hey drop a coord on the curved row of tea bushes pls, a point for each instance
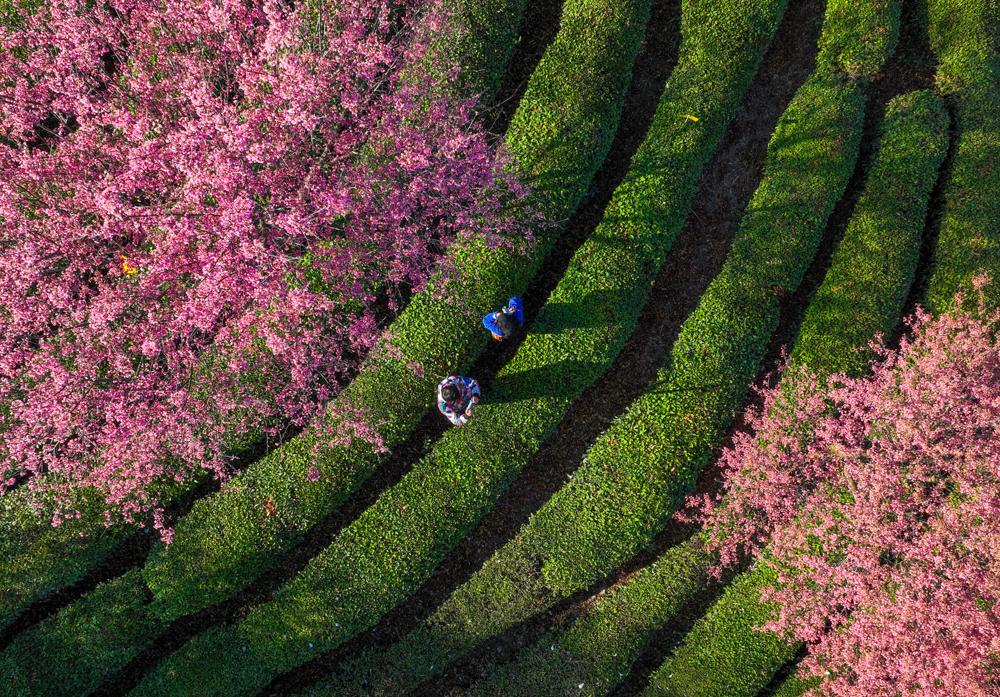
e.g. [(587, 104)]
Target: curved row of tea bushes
[(724, 654), (735, 659), (638, 471), (965, 35), (481, 43), (558, 138), (68, 654), (37, 559), (595, 653), (862, 296), (560, 133), (873, 267)]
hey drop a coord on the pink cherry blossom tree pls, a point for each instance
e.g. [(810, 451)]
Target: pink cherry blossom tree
[(877, 500), (208, 210)]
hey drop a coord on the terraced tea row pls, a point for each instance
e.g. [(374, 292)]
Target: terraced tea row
[(222, 545), (965, 35)]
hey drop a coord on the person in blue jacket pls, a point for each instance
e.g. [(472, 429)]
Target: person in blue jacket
[(506, 320), (457, 395)]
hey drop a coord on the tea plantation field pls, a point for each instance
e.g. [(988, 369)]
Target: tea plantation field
[(724, 180)]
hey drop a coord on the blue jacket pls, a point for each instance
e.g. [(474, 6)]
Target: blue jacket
[(514, 307), (455, 411)]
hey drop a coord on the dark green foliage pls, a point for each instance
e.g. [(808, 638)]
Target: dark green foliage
[(796, 685), (50, 660), (863, 293), (480, 41), (858, 36), (964, 34), (231, 667), (597, 651), (37, 559), (725, 654)]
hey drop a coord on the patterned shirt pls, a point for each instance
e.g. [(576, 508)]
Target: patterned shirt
[(455, 410)]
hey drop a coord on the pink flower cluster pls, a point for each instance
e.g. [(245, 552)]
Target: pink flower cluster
[(877, 500), (208, 209)]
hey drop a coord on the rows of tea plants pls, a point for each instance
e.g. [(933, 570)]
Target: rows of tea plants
[(598, 649), (741, 658), (636, 473), (222, 545), (861, 297), (381, 557), (965, 37)]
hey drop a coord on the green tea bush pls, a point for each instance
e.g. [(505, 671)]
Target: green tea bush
[(795, 686), (964, 35), (37, 559), (50, 660), (863, 293), (594, 654)]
